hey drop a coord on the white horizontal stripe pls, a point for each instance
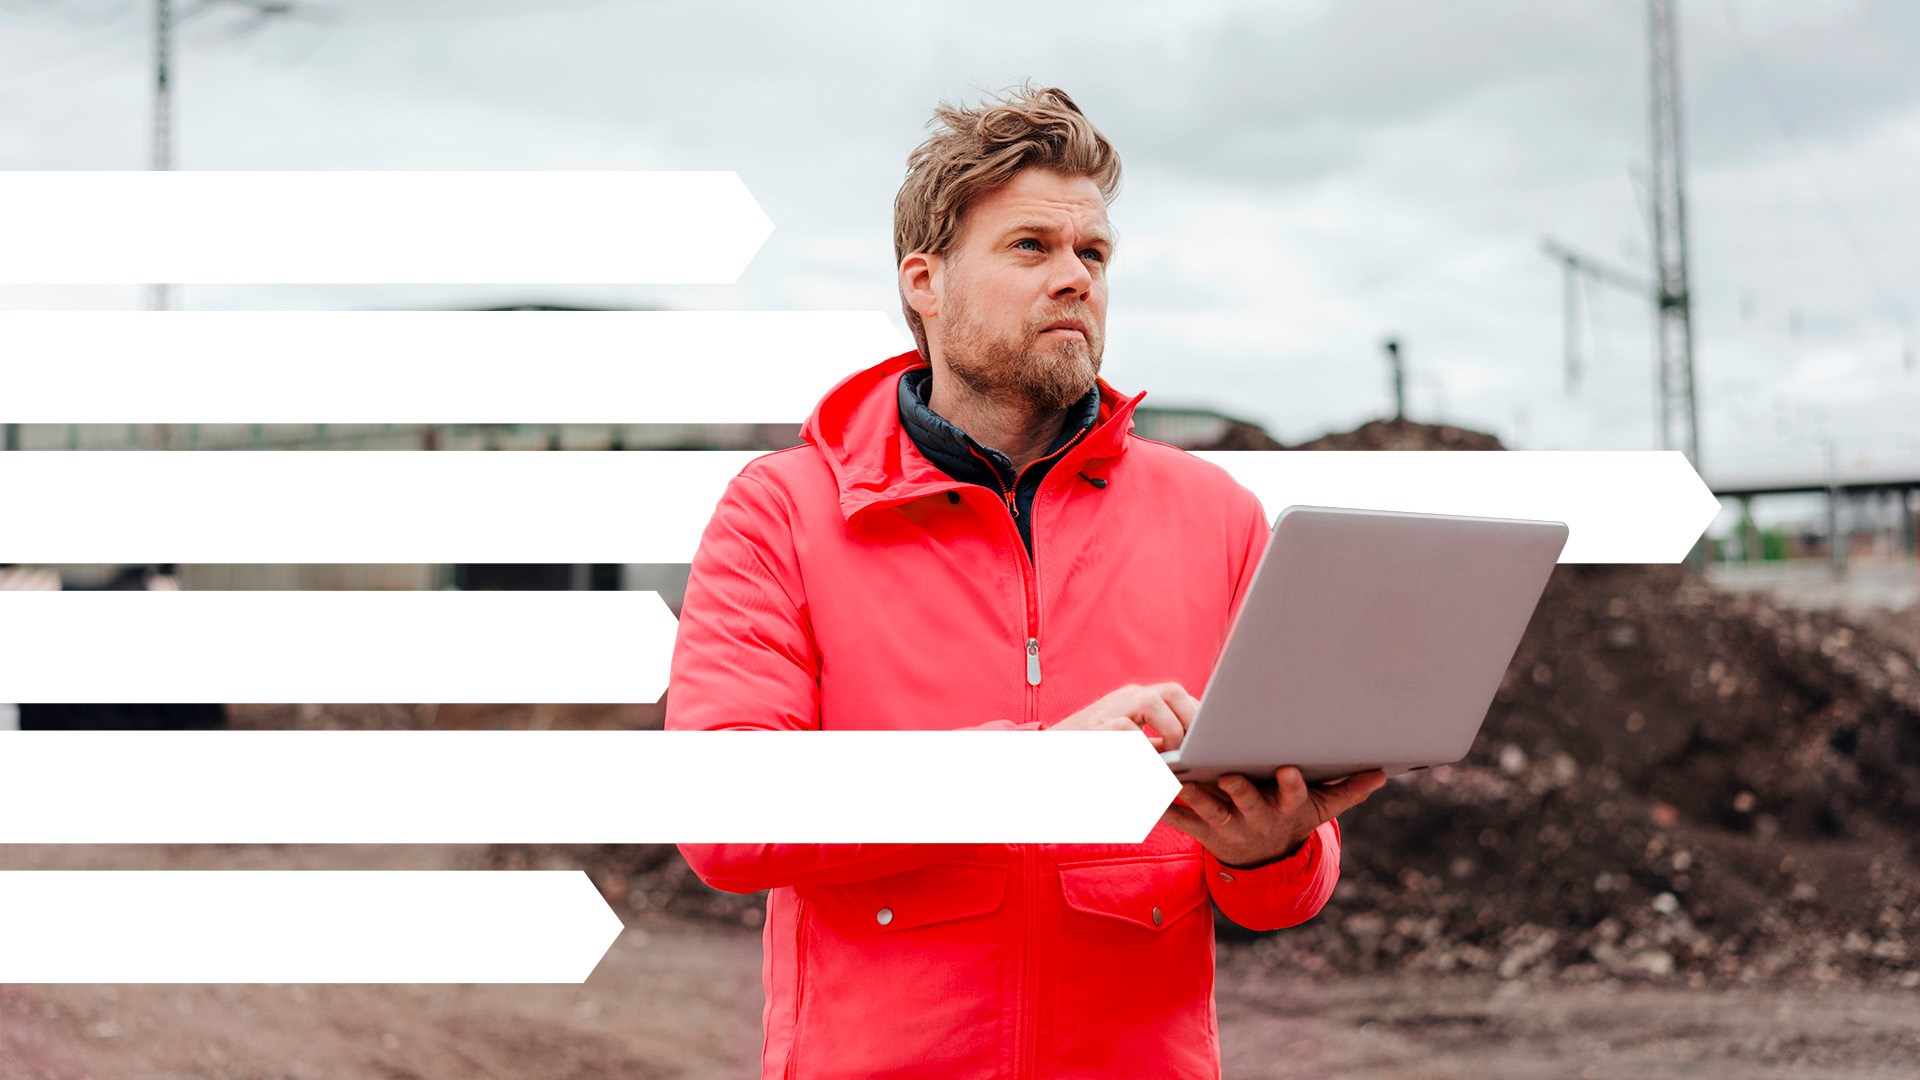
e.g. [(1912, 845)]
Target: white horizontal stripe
[(301, 926), (652, 506), (450, 228), (1620, 506), (427, 367), (373, 506), (579, 787), (362, 647)]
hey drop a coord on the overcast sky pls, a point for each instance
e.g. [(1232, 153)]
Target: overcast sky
[(1302, 180)]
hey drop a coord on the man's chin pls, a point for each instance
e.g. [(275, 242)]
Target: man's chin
[(1059, 396)]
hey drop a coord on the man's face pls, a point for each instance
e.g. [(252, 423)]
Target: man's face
[(1031, 254)]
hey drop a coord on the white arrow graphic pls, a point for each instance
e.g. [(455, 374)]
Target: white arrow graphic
[(268, 506), (354, 646), (652, 506), (448, 228), (430, 367), (584, 787), (301, 926), (1620, 506)]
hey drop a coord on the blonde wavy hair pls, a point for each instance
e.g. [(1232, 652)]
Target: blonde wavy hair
[(974, 151)]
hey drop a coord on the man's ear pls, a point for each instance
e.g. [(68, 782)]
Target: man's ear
[(921, 277)]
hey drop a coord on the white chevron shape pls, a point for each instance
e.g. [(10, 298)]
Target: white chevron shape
[(430, 367), (367, 647), (579, 787), (301, 926), (1620, 506), (395, 228)]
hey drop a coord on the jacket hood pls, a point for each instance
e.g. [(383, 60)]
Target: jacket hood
[(857, 428)]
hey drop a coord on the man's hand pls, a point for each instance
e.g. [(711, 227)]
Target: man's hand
[(1244, 826), (1162, 711)]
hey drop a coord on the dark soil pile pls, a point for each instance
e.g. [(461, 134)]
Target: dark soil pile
[(1673, 780), (1400, 435), (1240, 435)]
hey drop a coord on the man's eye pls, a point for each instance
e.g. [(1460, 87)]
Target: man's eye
[(1029, 240), (1095, 252)]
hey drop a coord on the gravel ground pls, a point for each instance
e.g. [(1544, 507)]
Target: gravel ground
[(680, 997)]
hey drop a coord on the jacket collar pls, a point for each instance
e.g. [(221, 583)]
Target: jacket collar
[(875, 463), (959, 454)]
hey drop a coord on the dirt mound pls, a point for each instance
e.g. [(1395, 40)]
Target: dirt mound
[(1240, 435), (1403, 435), (1672, 780)]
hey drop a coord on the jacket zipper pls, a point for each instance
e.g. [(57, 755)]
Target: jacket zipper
[(1031, 646)]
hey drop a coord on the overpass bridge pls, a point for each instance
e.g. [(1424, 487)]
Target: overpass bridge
[(1872, 483)]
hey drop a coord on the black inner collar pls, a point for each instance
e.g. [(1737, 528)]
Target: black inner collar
[(953, 450)]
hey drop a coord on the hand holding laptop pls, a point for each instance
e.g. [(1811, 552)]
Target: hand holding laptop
[(1246, 824), (1241, 822)]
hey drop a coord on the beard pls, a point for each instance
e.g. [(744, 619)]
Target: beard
[(1043, 374)]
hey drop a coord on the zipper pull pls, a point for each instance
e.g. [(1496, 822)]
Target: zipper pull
[(1033, 661), (1012, 507)]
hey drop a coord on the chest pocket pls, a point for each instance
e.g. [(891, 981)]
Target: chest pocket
[(1152, 893), (901, 902)]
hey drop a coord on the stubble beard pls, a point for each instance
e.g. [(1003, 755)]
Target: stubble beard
[(1042, 374)]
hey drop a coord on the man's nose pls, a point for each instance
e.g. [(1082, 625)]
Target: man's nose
[(1073, 275)]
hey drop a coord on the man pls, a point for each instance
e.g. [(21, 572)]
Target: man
[(970, 538)]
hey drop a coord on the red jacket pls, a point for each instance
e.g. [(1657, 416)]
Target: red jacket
[(839, 585)]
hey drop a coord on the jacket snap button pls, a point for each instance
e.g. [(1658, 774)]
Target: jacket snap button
[(1156, 916), (1224, 876), (885, 916)]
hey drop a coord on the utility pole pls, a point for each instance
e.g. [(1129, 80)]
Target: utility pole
[(1836, 543), (1392, 345), (1671, 291), (1679, 416), (1673, 324), (160, 297)]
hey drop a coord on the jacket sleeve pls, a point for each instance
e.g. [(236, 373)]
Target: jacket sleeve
[(1283, 893), (744, 659), (1292, 890)]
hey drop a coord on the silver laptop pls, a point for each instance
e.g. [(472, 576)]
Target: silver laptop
[(1369, 639)]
